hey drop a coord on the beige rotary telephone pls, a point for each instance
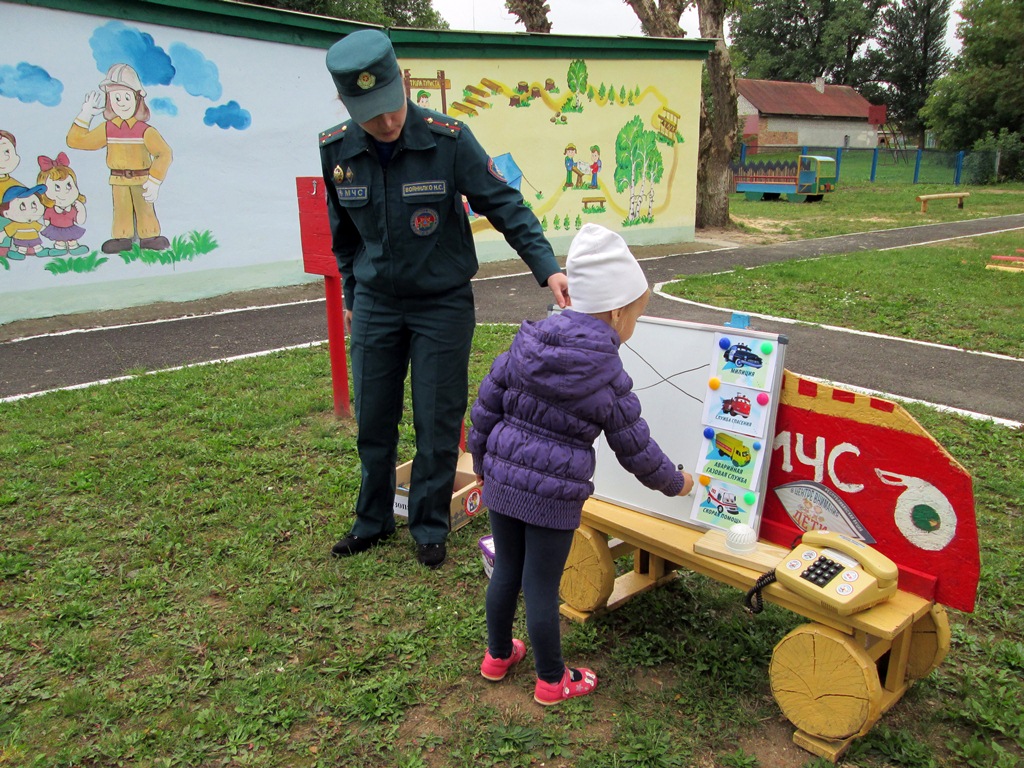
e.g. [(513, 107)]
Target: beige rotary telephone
[(839, 573)]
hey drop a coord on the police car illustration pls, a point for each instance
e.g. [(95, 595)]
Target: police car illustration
[(740, 355)]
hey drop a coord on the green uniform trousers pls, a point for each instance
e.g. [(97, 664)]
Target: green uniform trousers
[(434, 335)]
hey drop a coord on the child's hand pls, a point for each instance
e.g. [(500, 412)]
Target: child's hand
[(480, 479), (687, 485)]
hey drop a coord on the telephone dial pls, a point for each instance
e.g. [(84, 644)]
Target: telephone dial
[(838, 573)]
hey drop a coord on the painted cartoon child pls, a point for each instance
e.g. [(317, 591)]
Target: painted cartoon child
[(570, 163), (595, 165), (423, 99), (137, 155), (65, 206), (9, 160), (24, 211)]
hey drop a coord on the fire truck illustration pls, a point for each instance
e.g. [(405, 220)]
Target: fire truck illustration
[(738, 405)]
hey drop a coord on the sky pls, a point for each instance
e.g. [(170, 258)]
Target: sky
[(582, 17)]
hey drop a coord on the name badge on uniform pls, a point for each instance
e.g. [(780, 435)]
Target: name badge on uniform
[(419, 188), (353, 193)]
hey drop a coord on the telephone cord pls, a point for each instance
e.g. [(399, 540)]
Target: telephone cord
[(753, 601)]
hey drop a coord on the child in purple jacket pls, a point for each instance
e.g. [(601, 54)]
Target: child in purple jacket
[(539, 411)]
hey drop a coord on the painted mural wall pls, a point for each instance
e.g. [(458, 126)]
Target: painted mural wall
[(142, 163), (606, 141)]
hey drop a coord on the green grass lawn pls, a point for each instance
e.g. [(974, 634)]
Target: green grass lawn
[(937, 293), (167, 598)]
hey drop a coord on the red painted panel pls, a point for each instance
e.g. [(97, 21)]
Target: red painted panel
[(315, 227), (910, 495)]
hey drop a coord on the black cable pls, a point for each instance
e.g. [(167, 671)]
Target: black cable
[(753, 601)]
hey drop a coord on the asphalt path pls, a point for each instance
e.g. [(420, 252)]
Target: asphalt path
[(984, 384)]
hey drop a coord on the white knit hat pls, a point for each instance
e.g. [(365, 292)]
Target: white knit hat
[(603, 274)]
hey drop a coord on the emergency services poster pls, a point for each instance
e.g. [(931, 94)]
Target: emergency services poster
[(722, 505), (744, 360), (738, 409)]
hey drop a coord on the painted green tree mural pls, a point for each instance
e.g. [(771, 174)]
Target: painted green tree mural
[(639, 165), (576, 79)]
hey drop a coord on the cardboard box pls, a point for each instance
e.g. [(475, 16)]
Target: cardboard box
[(467, 500), (486, 545)]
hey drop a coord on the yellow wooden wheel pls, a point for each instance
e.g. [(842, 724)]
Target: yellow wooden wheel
[(929, 642), (589, 575), (826, 685)]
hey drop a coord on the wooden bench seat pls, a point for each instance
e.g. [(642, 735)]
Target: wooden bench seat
[(923, 199)]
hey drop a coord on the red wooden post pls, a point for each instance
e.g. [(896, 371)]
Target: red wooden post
[(318, 259)]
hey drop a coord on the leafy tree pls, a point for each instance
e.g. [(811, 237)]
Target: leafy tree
[(576, 79), (912, 41), (386, 13), (984, 92), (799, 40), (532, 14)]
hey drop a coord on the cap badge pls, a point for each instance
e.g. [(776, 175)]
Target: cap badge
[(366, 81)]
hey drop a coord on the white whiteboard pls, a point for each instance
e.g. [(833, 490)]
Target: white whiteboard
[(686, 375)]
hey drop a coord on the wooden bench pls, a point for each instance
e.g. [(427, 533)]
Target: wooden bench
[(923, 199), (593, 201), (833, 678)]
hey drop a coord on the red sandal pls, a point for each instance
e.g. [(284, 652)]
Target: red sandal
[(575, 682), (496, 669)]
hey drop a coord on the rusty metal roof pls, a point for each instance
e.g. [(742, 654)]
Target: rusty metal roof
[(771, 97)]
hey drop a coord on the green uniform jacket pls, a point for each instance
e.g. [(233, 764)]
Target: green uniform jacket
[(403, 231)]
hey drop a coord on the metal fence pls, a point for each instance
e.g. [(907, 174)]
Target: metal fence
[(882, 164)]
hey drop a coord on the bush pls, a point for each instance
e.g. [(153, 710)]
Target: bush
[(995, 159)]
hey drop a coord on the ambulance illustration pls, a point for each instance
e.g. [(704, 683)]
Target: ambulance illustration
[(723, 500)]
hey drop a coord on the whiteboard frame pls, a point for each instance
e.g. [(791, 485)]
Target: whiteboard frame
[(690, 361)]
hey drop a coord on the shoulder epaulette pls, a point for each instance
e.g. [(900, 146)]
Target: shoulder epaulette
[(446, 126), (333, 134)]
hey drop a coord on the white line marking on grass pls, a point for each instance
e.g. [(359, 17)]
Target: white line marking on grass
[(853, 331), (947, 239), (264, 353), (93, 329), (943, 408)]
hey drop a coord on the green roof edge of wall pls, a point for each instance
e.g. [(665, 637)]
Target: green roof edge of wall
[(257, 22)]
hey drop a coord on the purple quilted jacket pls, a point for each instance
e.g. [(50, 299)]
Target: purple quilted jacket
[(539, 411)]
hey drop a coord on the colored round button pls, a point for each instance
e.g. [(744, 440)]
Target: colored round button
[(762, 398), (709, 432), (714, 382), (749, 498), (767, 348), (756, 445), (724, 342), (704, 480)]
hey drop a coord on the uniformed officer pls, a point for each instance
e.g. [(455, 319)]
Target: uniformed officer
[(396, 174)]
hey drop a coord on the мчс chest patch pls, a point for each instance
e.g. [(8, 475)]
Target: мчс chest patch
[(352, 193)]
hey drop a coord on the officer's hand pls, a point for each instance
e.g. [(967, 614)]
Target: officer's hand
[(348, 322), (559, 285)]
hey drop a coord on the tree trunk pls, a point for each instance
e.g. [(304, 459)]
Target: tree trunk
[(718, 128), (532, 14)]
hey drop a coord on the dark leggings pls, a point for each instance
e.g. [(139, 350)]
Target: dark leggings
[(532, 558)]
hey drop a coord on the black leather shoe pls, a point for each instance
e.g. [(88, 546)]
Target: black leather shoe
[(353, 545), (431, 555)]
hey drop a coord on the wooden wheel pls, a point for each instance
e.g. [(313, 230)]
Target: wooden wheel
[(929, 642), (826, 685), (589, 575)]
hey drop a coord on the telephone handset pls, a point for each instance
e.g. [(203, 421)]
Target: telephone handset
[(839, 573)]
